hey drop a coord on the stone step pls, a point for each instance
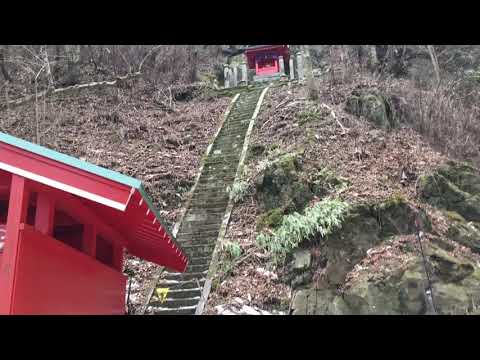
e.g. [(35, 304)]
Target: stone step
[(232, 134), (198, 268), (200, 216), (212, 218), (206, 241), (175, 302), (185, 276), (197, 236), (188, 310), (194, 251), (234, 125), (200, 260), (193, 225), (185, 293), (209, 197), (209, 180), (222, 159), (179, 284), (210, 204), (206, 187), (226, 160), (195, 233), (219, 172), (199, 246)]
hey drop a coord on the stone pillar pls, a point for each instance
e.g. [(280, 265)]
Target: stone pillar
[(244, 71), (300, 72), (235, 76), (292, 70), (281, 65), (226, 76)]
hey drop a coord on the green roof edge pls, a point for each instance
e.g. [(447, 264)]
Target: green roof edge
[(88, 167), (70, 160)]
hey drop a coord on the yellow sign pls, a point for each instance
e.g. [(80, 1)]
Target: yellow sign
[(162, 293)]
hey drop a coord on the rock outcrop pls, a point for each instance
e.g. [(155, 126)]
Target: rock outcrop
[(373, 106), (396, 286), (373, 266), (454, 187)]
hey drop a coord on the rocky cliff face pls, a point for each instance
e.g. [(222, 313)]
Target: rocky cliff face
[(373, 264)]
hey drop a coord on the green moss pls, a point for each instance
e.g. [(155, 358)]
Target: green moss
[(326, 180), (454, 216), (270, 219), (466, 234), (375, 108), (255, 150), (396, 216), (308, 115), (289, 163)]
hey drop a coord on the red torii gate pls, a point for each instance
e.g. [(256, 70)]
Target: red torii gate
[(64, 227)]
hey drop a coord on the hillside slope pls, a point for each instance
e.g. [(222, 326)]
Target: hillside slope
[(304, 155)]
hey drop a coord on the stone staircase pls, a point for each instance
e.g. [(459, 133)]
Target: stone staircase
[(199, 230)]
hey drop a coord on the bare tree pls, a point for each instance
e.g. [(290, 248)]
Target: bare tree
[(433, 57), (3, 51)]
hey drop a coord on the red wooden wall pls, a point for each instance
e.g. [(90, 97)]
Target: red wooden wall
[(53, 278)]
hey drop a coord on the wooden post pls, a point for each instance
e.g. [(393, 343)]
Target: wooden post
[(292, 71), (45, 214), (17, 214)]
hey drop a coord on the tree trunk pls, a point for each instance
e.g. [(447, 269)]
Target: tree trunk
[(193, 57), (312, 90), (3, 51), (44, 55), (433, 57)]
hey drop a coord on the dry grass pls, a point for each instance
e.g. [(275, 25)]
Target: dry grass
[(445, 117)]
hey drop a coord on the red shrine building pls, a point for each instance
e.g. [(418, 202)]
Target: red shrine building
[(65, 225), (268, 61)]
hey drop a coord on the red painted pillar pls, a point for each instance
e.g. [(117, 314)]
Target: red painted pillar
[(45, 213), (17, 214), (256, 65)]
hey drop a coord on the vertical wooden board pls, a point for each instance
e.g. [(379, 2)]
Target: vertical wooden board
[(17, 212), (45, 214), (53, 278)]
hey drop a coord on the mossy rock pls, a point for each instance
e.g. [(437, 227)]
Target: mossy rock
[(270, 219), (283, 186), (448, 268), (325, 180), (463, 175), (467, 234), (396, 216), (401, 290), (454, 216), (318, 302), (453, 187), (374, 107), (365, 226), (255, 150)]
